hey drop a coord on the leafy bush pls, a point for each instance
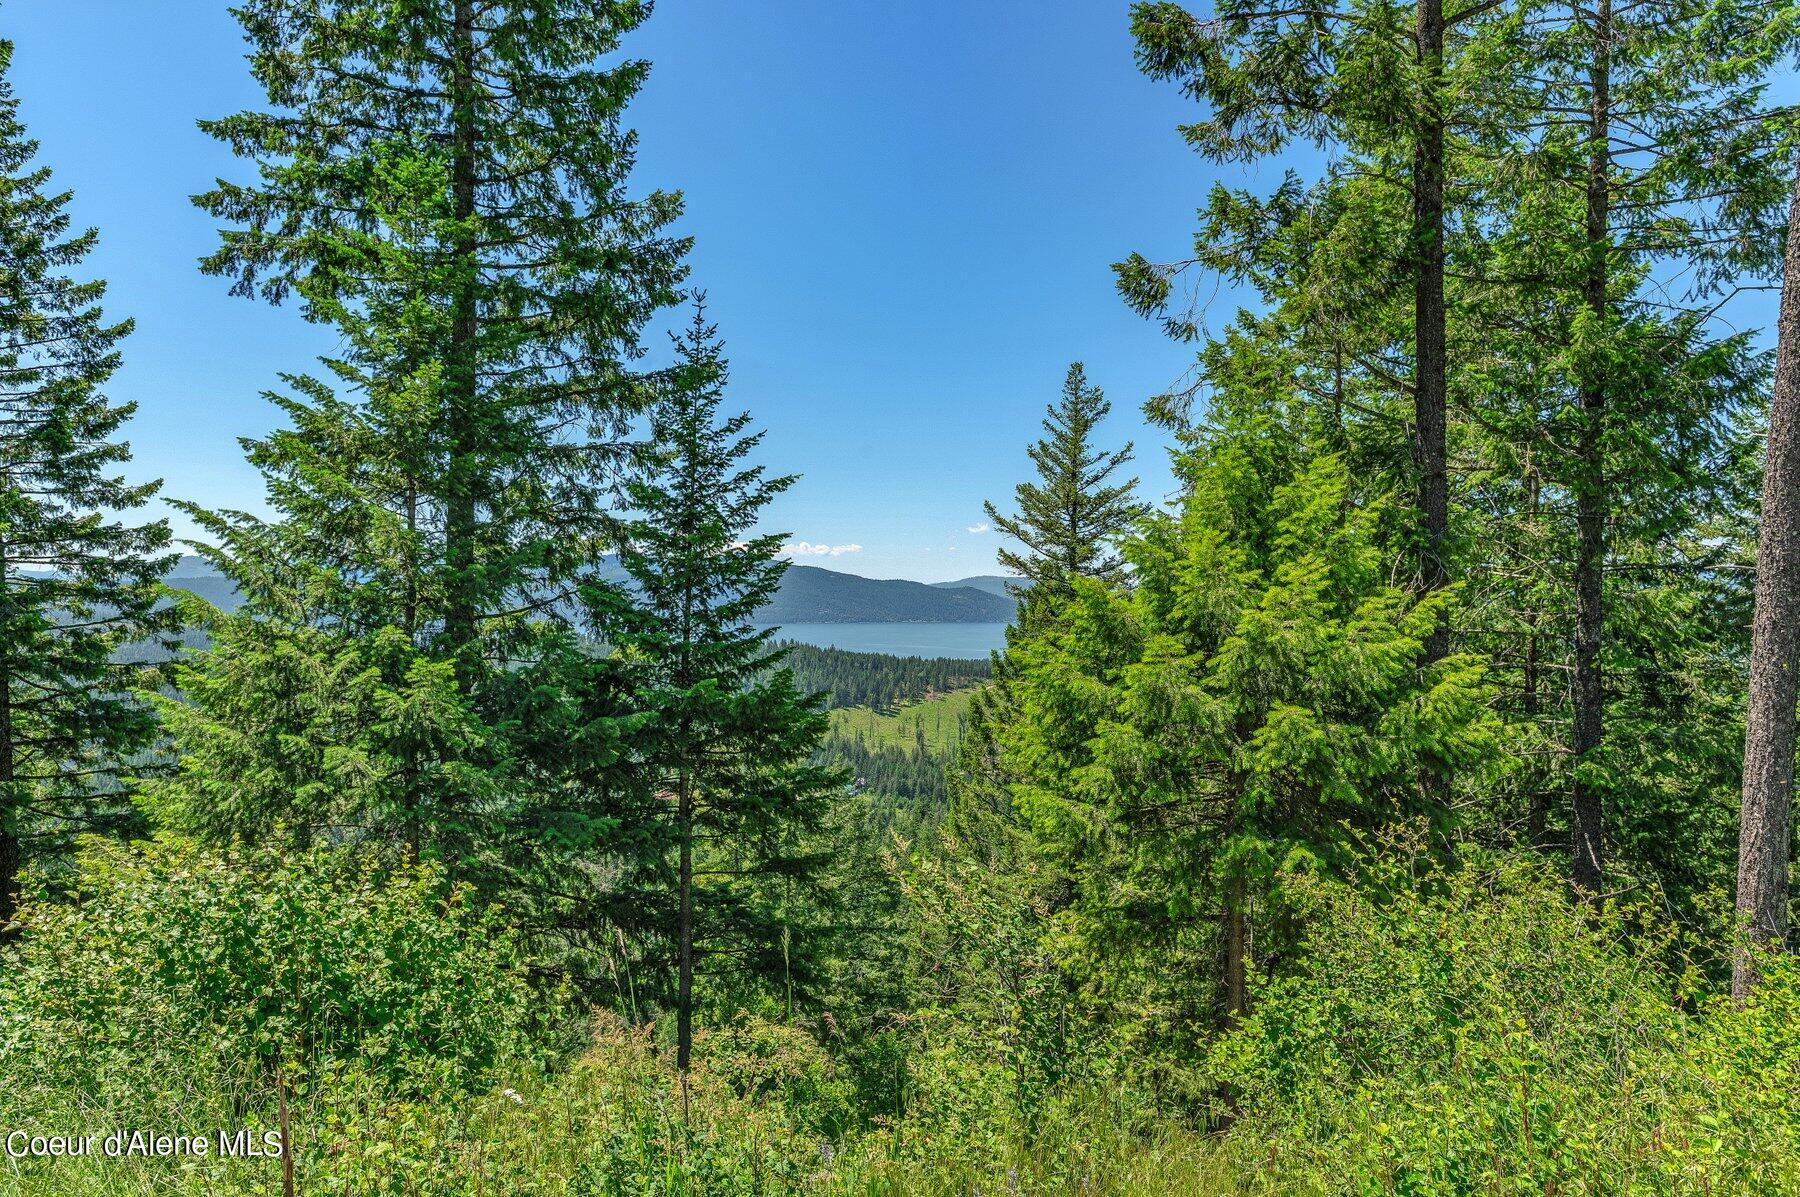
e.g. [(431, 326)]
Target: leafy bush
[(754, 1057), (172, 966), (1473, 1031)]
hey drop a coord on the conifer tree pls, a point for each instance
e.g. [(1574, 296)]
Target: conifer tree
[(1069, 524), (730, 745), (1256, 693), (442, 182), (1651, 141), (1401, 90), (1069, 520), (1469, 207), (77, 583)]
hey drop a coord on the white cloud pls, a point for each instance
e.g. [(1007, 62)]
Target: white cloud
[(978, 529), (801, 548)]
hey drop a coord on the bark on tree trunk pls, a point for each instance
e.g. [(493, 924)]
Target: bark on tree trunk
[(1587, 869), (1537, 817), (1764, 829), (684, 993), (1237, 947), (12, 854), (461, 388), (1430, 362)]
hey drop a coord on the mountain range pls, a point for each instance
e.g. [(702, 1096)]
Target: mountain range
[(808, 594)]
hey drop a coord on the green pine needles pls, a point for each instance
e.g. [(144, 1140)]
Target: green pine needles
[(731, 744), (77, 582), (445, 186)]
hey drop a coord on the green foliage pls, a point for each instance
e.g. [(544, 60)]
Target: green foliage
[(1137, 940), (1470, 1031), (1597, 414), (77, 583), (314, 730), (1069, 519), (755, 1058), (997, 1026), (934, 725), (879, 681), (903, 774), (445, 186), (1183, 746), (727, 754), (176, 967)]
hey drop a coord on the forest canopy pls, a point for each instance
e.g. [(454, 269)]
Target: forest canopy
[(1400, 804)]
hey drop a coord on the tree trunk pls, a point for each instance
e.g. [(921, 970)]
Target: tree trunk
[(12, 852), (1237, 948), (1537, 816), (460, 382), (1429, 352), (1764, 829), (1588, 866), (684, 992)]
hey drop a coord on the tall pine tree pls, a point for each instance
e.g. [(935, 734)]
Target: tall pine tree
[(1069, 520), (1069, 524), (442, 182), (77, 583), (1256, 694), (731, 745)]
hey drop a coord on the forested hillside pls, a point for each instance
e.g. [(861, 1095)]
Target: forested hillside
[(1401, 805), (812, 595), (807, 594), (878, 680)]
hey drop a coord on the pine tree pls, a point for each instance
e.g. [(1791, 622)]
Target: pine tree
[(76, 583), (1253, 699), (1400, 91), (732, 742), (1470, 207), (1651, 142), (1069, 525), (442, 182), (1069, 519)]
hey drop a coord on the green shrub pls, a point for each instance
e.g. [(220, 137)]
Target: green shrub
[(756, 1058), (1473, 1031), (173, 968)]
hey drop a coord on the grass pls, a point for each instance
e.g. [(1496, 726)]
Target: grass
[(610, 1125), (940, 719)]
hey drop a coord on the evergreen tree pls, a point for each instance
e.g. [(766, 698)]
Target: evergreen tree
[(731, 745), (1672, 154), (443, 182), (1400, 91), (1070, 518), (76, 583), (1651, 142), (1069, 525), (1470, 208), (1254, 699)]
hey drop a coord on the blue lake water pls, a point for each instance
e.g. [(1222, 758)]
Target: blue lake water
[(972, 641)]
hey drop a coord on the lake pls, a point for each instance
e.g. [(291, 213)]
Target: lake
[(970, 641)]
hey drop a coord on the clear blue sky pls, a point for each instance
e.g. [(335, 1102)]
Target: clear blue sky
[(904, 213)]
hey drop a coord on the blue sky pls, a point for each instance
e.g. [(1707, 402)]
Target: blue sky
[(904, 213)]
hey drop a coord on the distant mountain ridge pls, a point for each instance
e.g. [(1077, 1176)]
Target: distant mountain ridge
[(1000, 584), (808, 594)]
